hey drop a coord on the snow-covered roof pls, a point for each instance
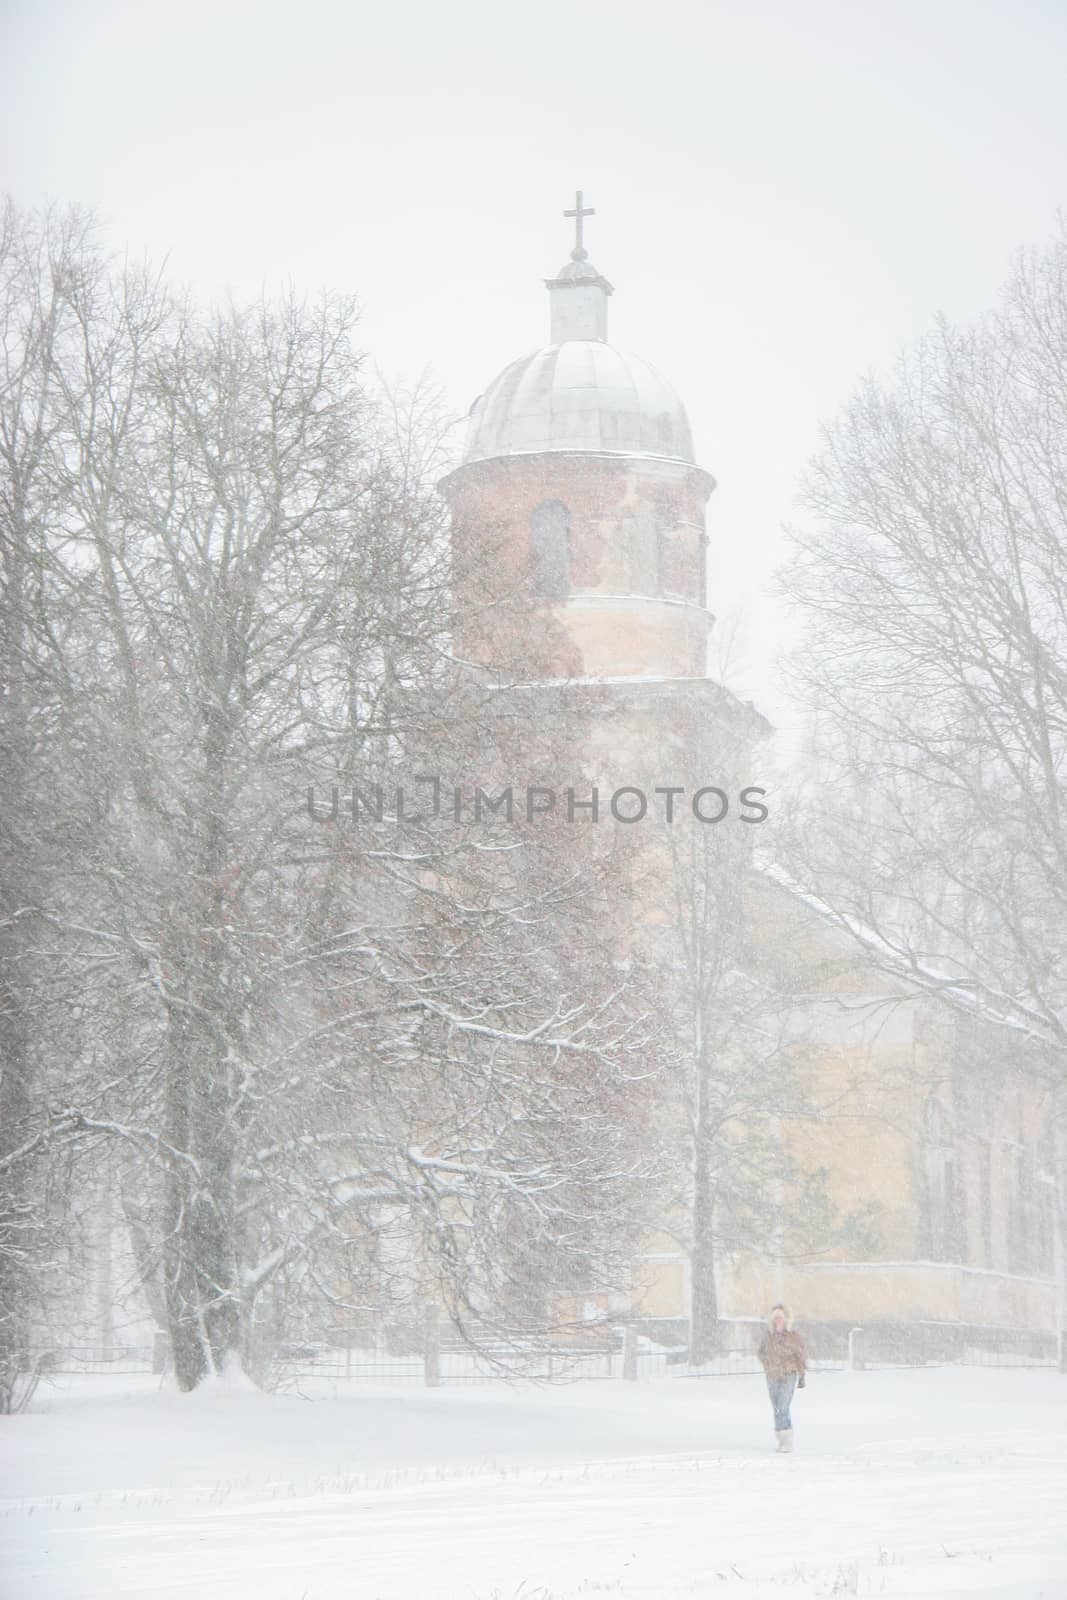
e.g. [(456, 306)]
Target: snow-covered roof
[(920, 973), (581, 395)]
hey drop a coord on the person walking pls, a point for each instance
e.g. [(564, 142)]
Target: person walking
[(784, 1360)]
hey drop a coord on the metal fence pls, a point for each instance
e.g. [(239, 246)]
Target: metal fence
[(435, 1353)]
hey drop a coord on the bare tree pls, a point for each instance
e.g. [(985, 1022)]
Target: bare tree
[(737, 1083), (932, 580), (308, 1049), (38, 258)]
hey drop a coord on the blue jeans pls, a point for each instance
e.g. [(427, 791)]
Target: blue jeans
[(781, 1392)]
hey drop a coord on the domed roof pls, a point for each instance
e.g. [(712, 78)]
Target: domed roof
[(581, 395)]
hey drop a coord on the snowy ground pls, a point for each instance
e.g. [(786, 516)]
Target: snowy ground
[(918, 1484)]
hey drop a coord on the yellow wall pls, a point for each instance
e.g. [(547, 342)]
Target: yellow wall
[(906, 1292)]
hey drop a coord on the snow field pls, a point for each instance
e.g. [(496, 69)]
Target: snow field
[(918, 1484)]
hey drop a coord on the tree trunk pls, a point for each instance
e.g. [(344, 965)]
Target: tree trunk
[(201, 1285), (14, 1203), (704, 1331), (1059, 1168)]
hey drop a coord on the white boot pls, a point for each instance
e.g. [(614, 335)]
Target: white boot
[(779, 1434), (785, 1440)]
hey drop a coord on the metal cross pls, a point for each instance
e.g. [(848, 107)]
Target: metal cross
[(579, 213)]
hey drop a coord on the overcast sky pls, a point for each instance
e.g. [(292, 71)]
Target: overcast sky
[(786, 192)]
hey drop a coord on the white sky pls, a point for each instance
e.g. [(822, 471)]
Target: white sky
[(787, 191)]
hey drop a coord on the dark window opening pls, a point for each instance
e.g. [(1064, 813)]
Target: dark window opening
[(941, 1211), (1030, 1218), (644, 552), (985, 1201), (550, 546)]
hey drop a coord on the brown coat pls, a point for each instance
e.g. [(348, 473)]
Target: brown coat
[(782, 1354)]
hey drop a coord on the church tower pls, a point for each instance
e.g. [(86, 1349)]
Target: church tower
[(578, 471), (579, 588)]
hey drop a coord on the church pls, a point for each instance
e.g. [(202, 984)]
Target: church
[(579, 484)]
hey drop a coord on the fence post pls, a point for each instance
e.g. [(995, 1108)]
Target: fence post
[(431, 1346), (629, 1354), (855, 1350), (1058, 1176), (160, 1351)]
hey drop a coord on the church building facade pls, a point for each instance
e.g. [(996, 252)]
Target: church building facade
[(579, 483)]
